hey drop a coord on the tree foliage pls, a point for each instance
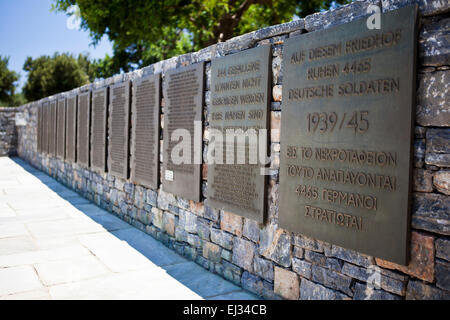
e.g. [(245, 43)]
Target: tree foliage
[(144, 32), (8, 79), (50, 75)]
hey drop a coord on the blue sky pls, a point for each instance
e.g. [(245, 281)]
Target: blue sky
[(28, 28)]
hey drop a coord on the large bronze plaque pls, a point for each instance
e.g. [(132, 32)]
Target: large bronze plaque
[(240, 100), (84, 129), (347, 125), (39, 128), (145, 126), (99, 129), (45, 123), (52, 128), (61, 129), (183, 95), (71, 128), (119, 126)]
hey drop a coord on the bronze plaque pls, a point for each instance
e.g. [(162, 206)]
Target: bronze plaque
[(52, 128), (45, 123), (119, 126), (84, 129), (240, 100), (347, 129), (145, 126), (99, 129), (61, 129), (71, 128), (39, 128), (183, 94)]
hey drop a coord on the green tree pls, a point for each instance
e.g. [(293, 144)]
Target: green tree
[(50, 75), (8, 79), (147, 31)]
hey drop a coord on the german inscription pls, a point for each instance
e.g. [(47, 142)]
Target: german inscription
[(99, 124), (52, 128), (71, 128), (145, 136), (119, 126), (61, 129), (183, 109), (239, 104), (45, 123), (346, 135), (84, 128)]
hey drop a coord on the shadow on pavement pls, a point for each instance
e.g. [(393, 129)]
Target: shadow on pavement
[(190, 274)]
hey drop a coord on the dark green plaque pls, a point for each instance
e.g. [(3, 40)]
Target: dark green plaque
[(347, 127), (240, 98)]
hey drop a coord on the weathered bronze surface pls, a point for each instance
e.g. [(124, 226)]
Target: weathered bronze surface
[(240, 100), (183, 94), (52, 128), (84, 129), (119, 127), (145, 127), (39, 128), (61, 129), (45, 123), (71, 128), (99, 129), (346, 135)]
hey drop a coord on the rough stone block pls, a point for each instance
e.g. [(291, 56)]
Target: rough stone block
[(222, 238), (431, 212), (443, 249), (286, 284), (421, 264), (443, 275), (351, 256), (332, 279), (251, 230), (169, 223), (151, 197), (308, 243), (157, 218), (418, 290), (302, 267), (231, 222), (243, 253), (203, 228), (211, 213), (441, 181), (363, 292), (422, 180), (313, 291), (258, 286), (263, 268), (433, 40), (188, 221), (315, 257), (211, 251)]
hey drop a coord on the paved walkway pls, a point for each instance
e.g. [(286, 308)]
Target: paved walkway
[(55, 244)]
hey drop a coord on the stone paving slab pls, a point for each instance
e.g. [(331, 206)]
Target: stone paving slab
[(54, 244), (71, 270), (18, 279)]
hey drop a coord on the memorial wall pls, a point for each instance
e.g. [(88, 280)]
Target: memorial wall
[(307, 160)]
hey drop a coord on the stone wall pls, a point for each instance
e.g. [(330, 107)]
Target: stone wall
[(8, 132), (266, 259)]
